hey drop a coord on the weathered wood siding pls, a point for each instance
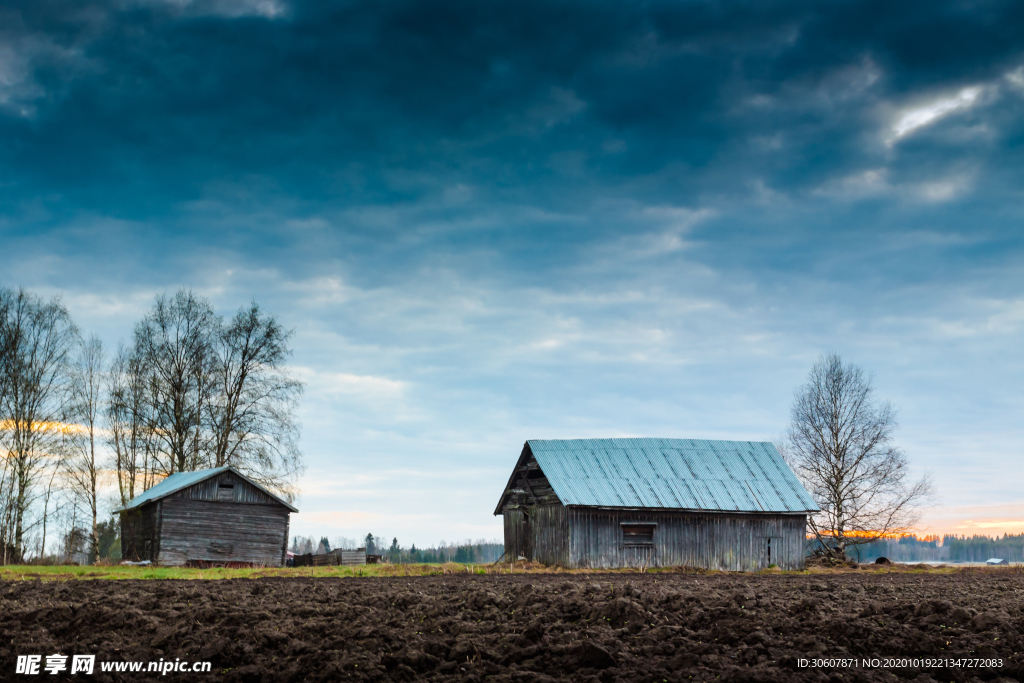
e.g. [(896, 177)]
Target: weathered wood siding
[(537, 532), (734, 542), (216, 488), (593, 538), (535, 522), (220, 531), (221, 519), (514, 538), (139, 537)]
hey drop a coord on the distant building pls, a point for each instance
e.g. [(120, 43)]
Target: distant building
[(603, 503), (995, 561), (216, 516)]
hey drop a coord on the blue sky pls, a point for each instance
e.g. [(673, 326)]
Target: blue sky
[(488, 222)]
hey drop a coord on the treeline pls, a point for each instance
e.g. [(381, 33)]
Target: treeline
[(948, 548), (981, 548), (467, 552), (189, 390)]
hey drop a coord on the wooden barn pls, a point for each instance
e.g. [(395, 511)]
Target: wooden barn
[(602, 503), (216, 516)]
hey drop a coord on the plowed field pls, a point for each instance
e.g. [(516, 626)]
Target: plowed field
[(613, 627)]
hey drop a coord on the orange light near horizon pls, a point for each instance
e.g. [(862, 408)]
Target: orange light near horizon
[(65, 427), (859, 534)]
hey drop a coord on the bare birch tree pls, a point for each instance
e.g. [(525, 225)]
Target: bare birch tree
[(40, 337), (252, 416), (214, 394), (174, 344), (6, 469), (129, 435), (84, 466), (840, 444)]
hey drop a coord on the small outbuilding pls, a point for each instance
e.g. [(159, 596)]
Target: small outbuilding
[(214, 516), (604, 503), (996, 562)]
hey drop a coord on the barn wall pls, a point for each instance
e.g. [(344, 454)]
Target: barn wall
[(211, 489), (733, 542), (214, 531), (513, 518), (537, 532), (137, 527)]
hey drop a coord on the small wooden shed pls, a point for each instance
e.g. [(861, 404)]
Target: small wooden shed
[(604, 503), (215, 516)]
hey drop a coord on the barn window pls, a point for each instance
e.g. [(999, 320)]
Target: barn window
[(226, 492), (638, 534)]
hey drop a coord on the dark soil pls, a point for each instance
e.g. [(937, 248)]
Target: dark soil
[(613, 627)]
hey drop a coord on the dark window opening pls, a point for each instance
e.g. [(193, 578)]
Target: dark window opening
[(226, 492), (638, 534)]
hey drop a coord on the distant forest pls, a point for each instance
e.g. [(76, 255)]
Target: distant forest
[(948, 548), (467, 552)]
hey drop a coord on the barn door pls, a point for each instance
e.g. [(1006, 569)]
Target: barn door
[(772, 551)]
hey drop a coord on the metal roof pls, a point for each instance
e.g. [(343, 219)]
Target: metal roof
[(182, 480), (688, 474)]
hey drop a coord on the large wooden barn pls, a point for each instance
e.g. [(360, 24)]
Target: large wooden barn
[(217, 516), (601, 503)]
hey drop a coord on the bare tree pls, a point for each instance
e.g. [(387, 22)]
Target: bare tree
[(129, 435), (84, 467), (6, 469), (252, 414), (174, 344), (212, 394), (840, 443), (41, 338), (53, 488)]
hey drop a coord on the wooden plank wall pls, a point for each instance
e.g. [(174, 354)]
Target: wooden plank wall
[(214, 531), (347, 558), (733, 542), (550, 534), (545, 538), (137, 527), (242, 491), (514, 540)]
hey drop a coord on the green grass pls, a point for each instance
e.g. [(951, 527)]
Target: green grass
[(65, 573)]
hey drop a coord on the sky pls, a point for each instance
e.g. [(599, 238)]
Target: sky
[(493, 222)]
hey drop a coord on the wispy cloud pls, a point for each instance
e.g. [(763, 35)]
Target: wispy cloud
[(920, 115)]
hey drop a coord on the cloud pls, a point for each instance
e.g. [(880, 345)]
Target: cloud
[(876, 183), (921, 115), (335, 383), (232, 9)]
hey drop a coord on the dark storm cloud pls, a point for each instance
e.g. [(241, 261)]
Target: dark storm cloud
[(153, 101)]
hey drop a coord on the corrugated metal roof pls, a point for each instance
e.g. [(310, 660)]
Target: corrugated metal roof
[(693, 474), (182, 480)]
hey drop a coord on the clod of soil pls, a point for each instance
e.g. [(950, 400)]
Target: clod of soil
[(597, 628), (883, 560)]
